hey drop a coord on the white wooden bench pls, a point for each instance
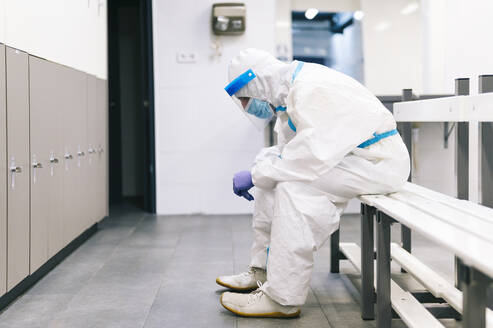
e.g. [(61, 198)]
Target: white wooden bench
[(462, 227)]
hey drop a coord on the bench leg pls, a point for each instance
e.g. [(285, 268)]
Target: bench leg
[(405, 240), (367, 263), (334, 252), (474, 284), (459, 272), (384, 307)]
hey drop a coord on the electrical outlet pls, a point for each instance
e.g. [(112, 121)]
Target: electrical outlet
[(186, 57)]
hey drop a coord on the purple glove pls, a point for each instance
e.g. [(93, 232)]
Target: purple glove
[(242, 182), (247, 195)]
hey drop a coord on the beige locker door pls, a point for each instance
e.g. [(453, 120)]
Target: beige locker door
[(46, 225), (3, 176), (55, 169), (102, 132), (75, 145), (40, 93), (80, 109), (67, 94), (18, 160), (92, 156)]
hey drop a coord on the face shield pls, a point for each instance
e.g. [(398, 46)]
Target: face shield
[(259, 112)]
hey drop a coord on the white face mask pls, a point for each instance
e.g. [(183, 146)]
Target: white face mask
[(259, 112)]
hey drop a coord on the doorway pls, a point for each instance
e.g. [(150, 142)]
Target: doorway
[(131, 101), (333, 39)]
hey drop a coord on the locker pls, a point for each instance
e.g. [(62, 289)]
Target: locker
[(3, 176), (68, 122), (93, 158), (53, 160), (73, 95), (102, 132), (18, 166), (83, 181), (46, 149)]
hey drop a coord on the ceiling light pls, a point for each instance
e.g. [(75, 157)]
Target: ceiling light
[(410, 8), (310, 13), (382, 26), (282, 24), (358, 15)]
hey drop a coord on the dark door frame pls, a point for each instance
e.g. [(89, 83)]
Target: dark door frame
[(114, 117), (148, 94), (147, 79)]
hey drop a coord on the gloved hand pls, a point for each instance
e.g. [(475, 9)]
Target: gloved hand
[(242, 182), (247, 195)]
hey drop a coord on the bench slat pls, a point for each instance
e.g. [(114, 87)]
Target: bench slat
[(448, 215), (433, 282), (465, 206), (413, 313), (437, 285), (471, 250)]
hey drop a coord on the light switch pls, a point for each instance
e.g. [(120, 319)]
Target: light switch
[(186, 57)]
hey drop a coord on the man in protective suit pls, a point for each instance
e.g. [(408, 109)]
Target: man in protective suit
[(335, 141)]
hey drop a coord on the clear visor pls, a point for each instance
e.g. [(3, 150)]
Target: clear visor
[(259, 112)]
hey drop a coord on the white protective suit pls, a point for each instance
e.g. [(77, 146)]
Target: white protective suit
[(307, 179)]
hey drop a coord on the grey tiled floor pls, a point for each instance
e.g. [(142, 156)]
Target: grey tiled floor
[(141, 270)]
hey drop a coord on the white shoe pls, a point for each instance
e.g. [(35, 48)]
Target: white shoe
[(244, 281), (257, 304)]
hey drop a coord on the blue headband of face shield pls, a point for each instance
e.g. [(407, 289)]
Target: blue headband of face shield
[(240, 82), (259, 112)]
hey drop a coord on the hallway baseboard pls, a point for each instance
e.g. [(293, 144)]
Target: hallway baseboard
[(30, 280)]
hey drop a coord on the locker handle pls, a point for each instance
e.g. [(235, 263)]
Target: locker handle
[(91, 151), (100, 150), (68, 156), (54, 160), (81, 153), (16, 169), (37, 165)]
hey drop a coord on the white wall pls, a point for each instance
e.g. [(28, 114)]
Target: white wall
[(391, 47), (459, 43), (2, 20), (427, 49), (456, 44), (434, 45), (201, 138), (72, 33), (433, 164)]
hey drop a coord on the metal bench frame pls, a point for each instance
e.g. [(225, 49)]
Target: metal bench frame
[(473, 282)]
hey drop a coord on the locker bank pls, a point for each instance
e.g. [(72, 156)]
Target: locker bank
[(277, 163)]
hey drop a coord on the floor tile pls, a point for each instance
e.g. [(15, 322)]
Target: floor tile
[(143, 270), (32, 311), (188, 304)]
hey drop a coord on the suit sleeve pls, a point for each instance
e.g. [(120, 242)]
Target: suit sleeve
[(329, 125)]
